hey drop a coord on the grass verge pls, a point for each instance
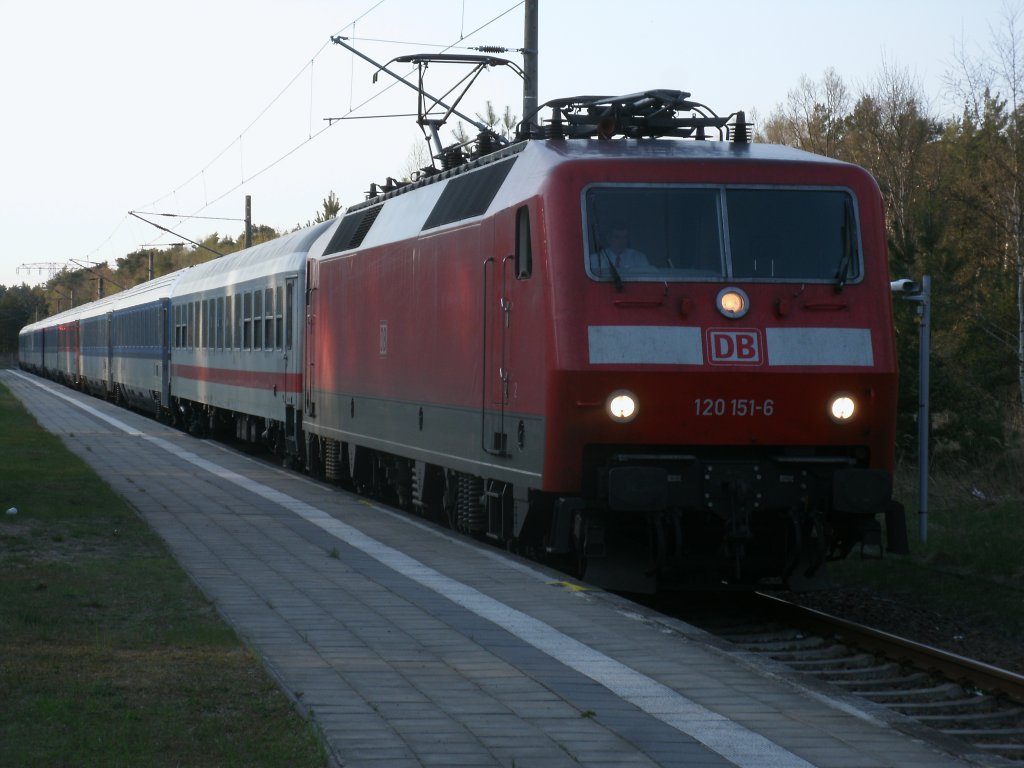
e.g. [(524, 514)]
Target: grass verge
[(109, 655), (971, 563)]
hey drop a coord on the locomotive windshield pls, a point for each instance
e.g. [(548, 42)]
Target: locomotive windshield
[(659, 233)]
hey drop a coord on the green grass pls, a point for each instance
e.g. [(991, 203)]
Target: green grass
[(109, 655), (972, 564)]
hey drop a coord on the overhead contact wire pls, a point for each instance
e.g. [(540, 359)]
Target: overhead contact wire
[(312, 135)]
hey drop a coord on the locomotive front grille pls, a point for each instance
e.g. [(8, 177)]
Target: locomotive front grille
[(649, 481)]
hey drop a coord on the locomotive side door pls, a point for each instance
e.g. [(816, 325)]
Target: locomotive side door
[(497, 328)]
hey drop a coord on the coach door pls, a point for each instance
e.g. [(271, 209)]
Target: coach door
[(309, 373), (292, 365), (108, 352)]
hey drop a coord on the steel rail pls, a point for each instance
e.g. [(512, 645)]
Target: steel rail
[(951, 666)]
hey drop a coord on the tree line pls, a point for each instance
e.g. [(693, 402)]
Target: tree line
[(953, 192)]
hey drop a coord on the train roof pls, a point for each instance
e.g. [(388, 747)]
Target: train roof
[(677, 149), (284, 254), (149, 291), (539, 155), (508, 176), (143, 293), (68, 315), (94, 308)]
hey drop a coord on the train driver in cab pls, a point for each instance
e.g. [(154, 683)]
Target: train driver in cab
[(619, 253)]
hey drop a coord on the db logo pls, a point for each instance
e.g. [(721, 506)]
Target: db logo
[(734, 346)]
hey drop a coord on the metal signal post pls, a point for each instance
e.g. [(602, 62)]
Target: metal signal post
[(921, 294)]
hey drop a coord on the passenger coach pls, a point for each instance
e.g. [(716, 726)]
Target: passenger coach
[(237, 328)]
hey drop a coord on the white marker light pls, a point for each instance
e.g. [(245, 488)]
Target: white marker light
[(622, 406), (842, 408)]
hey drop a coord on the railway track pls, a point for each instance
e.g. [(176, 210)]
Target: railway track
[(976, 710)]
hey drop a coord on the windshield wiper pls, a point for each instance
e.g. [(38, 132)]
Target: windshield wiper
[(842, 271), (616, 277), (615, 273)]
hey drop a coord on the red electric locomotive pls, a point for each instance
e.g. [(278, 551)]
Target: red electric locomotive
[(669, 360)]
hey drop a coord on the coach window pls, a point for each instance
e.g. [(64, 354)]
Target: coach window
[(190, 324), (227, 322), (279, 320), (177, 326), (209, 332), (289, 293), (220, 323), (239, 340), (247, 321), (268, 325), (257, 319)]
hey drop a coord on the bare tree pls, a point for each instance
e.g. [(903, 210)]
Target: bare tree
[(888, 132), (417, 159), (813, 116)]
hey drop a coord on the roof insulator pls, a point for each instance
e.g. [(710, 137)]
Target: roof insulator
[(741, 131)]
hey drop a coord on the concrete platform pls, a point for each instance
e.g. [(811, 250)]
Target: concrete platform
[(410, 646)]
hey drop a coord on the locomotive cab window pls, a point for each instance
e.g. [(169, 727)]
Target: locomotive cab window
[(686, 233), (524, 248), (792, 234)]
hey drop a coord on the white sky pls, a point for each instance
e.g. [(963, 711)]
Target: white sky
[(117, 105)]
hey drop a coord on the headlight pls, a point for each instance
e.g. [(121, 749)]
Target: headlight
[(842, 408), (622, 406), (733, 302)]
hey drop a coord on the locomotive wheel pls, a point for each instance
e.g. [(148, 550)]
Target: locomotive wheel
[(314, 465), (450, 500), (579, 539)]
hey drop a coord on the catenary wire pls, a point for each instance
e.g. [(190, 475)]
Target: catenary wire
[(311, 136)]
